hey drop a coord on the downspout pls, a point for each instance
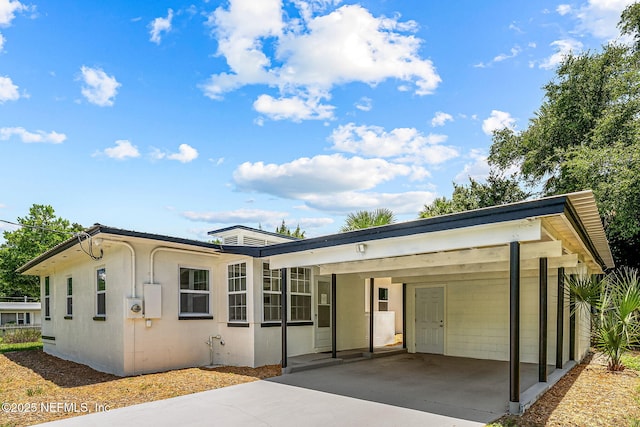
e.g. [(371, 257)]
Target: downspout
[(166, 249), (133, 263)]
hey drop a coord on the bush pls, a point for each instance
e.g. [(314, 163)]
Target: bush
[(21, 336)]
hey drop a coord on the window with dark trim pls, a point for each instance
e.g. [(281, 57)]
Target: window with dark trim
[(271, 294), (47, 298), (237, 289), (195, 292), (69, 296), (300, 294), (101, 292), (383, 299)]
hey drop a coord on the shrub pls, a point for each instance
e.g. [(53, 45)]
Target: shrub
[(21, 336)]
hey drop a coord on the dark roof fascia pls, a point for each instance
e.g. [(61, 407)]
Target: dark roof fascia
[(244, 227), (511, 212), (573, 218), (98, 228)]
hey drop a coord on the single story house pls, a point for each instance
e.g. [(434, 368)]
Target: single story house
[(23, 312), (483, 284)]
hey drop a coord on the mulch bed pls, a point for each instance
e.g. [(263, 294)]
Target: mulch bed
[(588, 395), (35, 387)]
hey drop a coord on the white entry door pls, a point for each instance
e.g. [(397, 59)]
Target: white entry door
[(323, 315), (430, 320)]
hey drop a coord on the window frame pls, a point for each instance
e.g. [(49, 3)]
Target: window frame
[(237, 279), (69, 299), (47, 298), (189, 291), (272, 293), (101, 292), (307, 280)]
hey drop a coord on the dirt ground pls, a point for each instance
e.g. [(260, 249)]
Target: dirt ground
[(587, 396), (36, 387)]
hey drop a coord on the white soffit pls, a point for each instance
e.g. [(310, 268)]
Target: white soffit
[(526, 230), (585, 206)]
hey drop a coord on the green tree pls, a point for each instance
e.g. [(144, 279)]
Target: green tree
[(284, 230), (41, 230), (585, 135), (366, 219), (497, 190)]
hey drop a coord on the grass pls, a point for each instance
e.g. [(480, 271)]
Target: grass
[(631, 361), (22, 346)]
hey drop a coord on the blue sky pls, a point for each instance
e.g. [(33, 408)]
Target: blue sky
[(181, 117)]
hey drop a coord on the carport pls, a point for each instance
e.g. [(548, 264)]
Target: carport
[(470, 389), (483, 293)]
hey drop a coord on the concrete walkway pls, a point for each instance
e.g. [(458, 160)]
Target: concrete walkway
[(263, 403)]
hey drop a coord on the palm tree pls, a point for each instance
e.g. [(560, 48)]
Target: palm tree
[(366, 219), (615, 319)]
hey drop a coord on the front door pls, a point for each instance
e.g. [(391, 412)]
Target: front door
[(430, 320), (323, 315)]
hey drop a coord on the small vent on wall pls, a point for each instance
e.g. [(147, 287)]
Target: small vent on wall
[(232, 240), (252, 241)]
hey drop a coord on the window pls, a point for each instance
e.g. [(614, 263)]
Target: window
[(21, 318), (7, 318), (69, 296), (300, 294), (194, 291), (47, 299), (383, 299), (237, 278), (101, 292), (271, 294)]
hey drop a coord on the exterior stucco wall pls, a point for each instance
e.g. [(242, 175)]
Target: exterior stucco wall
[(81, 339), (477, 317)]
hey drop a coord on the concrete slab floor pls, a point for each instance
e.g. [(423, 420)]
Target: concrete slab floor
[(469, 389)]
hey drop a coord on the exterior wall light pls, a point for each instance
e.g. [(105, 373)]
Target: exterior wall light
[(361, 248)]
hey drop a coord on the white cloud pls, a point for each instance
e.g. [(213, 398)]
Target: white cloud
[(238, 216), (515, 28), (497, 120), (160, 25), (8, 10), (563, 49), (8, 90), (122, 150), (316, 175), (306, 223), (2, 40), (563, 9), (30, 137), (477, 169), (313, 54), (403, 144), (441, 118), (99, 88), (597, 17), (364, 104), (515, 51), (295, 108), (185, 154), (400, 203)]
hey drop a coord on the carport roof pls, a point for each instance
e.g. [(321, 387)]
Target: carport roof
[(579, 208)]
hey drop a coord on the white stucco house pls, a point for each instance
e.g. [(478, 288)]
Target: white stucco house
[(484, 284), (20, 313)]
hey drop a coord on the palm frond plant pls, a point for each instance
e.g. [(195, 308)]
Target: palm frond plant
[(615, 316)]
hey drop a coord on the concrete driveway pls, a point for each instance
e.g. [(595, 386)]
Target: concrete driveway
[(400, 390), (466, 389)]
